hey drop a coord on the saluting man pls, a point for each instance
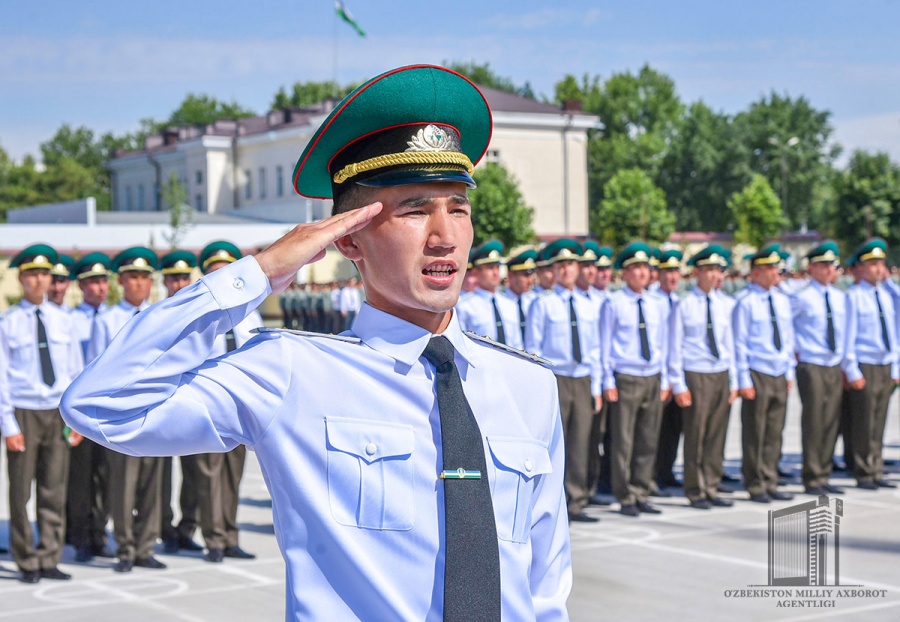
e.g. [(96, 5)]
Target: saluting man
[(87, 507), (413, 468), (562, 327), (134, 482), (220, 473), (520, 278), (59, 280), (704, 377), (486, 312), (870, 363), (39, 357), (820, 320), (633, 353), (764, 354)]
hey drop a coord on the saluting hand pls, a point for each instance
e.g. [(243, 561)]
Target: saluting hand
[(16, 442), (307, 243)]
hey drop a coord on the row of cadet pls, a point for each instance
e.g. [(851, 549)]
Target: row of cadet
[(81, 485), (321, 307), (640, 367)]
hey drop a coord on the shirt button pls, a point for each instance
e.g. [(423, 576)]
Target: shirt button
[(371, 448), (238, 283), (528, 466)]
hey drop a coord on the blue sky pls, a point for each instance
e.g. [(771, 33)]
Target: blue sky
[(106, 64)]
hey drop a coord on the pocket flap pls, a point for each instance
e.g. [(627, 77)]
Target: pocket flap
[(523, 455), (370, 440)]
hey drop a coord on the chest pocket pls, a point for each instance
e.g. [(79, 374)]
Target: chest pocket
[(516, 462), (760, 320), (22, 349), (370, 477)]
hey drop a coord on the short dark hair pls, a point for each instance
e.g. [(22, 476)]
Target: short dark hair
[(355, 196)]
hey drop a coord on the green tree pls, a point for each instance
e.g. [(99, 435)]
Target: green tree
[(757, 212), (632, 208), (498, 209), (181, 215), (483, 75), (203, 109), (867, 200), (309, 93)]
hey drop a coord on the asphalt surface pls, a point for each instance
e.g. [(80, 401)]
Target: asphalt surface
[(683, 564)]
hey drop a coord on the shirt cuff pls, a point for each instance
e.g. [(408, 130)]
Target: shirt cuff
[(744, 380)]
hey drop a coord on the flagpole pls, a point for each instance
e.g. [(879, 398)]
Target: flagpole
[(334, 66)]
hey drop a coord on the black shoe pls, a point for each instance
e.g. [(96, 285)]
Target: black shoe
[(101, 551), (660, 492), (867, 485), (55, 574), (670, 482), (816, 490), (719, 502), (30, 576), (123, 565), (238, 553), (630, 510), (149, 562), (833, 489), (215, 556), (646, 508), (701, 504), (581, 517), (784, 474), (724, 488), (778, 495), (83, 554), (761, 497), (170, 546), (599, 500), (881, 483), (187, 544), (730, 478)]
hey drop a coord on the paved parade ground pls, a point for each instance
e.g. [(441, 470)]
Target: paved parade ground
[(685, 564)]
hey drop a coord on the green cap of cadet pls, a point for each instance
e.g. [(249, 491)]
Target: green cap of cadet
[(712, 255), (670, 259), (410, 125), (63, 266), (654, 257), (874, 248), (135, 259), (92, 264), (636, 252), (767, 256), (590, 252), (524, 261), (826, 252), (604, 257), (542, 261), (487, 253), (563, 249), (217, 252), (35, 257), (178, 262)]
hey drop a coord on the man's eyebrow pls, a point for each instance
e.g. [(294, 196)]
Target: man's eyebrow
[(419, 201)]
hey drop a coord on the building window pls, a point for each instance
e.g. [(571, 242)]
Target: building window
[(262, 183), (128, 198), (492, 155), (140, 197), (279, 181), (248, 189), (198, 177), (198, 202)]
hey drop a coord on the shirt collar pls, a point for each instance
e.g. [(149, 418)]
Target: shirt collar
[(818, 286), (401, 340), (563, 292), (484, 293), (127, 306), (30, 306), (633, 294)]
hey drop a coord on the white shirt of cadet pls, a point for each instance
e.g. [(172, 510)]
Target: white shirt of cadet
[(865, 339), (108, 325), (348, 438), (476, 313), (689, 345), (83, 317), (620, 336), (811, 324), (754, 335), (350, 300), (21, 378)]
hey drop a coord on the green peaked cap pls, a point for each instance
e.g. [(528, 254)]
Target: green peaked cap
[(563, 249), (92, 264), (670, 259), (178, 262), (487, 253), (382, 117), (63, 266), (219, 251), (136, 258), (766, 256), (876, 248), (35, 257), (826, 252), (636, 252), (526, 260)]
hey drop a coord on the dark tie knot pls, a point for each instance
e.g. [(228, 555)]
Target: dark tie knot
[(439, 352)]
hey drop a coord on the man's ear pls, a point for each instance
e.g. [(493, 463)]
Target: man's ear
[(348, 248)]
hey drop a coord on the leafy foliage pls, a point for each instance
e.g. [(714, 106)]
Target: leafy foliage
[(757, 211), (203, 109), (309, 93), (867, 200), (498, 209), (633, 208), (483, 75)]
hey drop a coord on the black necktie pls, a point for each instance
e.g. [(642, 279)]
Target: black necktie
[(576, 338), (521, 319), (884, 331), (501, 334), (642, 329), (47, 373), (710, 333), (830, 322), (230, 343), (472, 553), (776, 333)]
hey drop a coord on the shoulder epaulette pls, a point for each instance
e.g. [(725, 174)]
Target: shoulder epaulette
[(305, 333), (534, 358)]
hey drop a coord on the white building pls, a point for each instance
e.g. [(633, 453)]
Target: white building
[(243, 168)]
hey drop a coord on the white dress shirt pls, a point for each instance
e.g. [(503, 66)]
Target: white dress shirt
[(108, 326), (865, 342), (347, 434), (689, 347), (620, 338), (754, 341), (21, 379), (350, 301), (476, 313), (811, 324), (83, 323)]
